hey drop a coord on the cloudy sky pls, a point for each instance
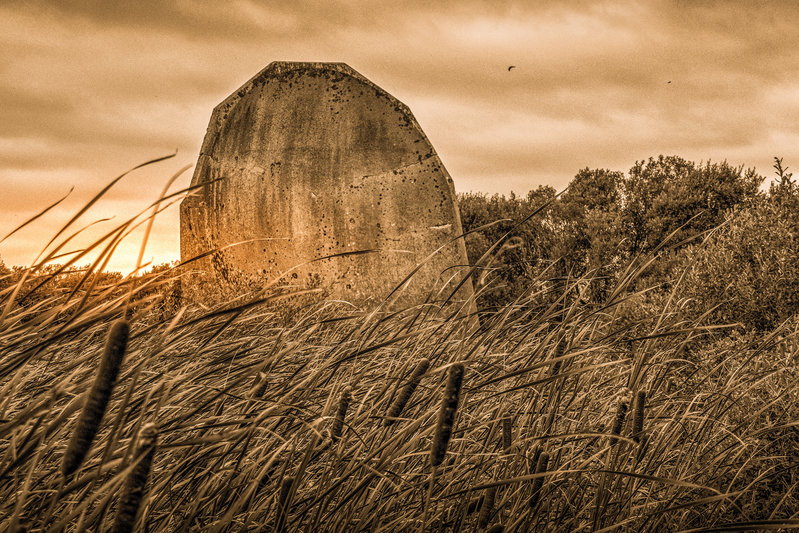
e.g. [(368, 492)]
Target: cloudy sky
[(89, 89)]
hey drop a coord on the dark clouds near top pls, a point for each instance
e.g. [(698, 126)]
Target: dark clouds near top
[(89, 89)]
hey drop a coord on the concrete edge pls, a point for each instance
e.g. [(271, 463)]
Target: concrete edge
[(278, 67)]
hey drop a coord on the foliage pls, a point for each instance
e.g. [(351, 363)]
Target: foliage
[(603, 220), (670, 194), (746, 271), (785, 185), (525, 253), (590, 240)]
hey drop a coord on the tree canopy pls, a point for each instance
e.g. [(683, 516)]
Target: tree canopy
[(604, 219)]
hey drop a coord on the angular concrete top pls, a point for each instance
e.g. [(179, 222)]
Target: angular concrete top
[(316, 160)]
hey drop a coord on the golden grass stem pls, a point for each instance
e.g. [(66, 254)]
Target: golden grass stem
[(428, 498)]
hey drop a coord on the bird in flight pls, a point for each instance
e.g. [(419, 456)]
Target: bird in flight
[(511, 67)]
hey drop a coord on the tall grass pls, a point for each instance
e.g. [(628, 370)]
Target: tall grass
[(247, 406)]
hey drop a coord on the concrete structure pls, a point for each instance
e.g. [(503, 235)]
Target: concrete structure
[(310, 160)]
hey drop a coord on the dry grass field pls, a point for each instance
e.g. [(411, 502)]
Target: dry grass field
[(118, 412)]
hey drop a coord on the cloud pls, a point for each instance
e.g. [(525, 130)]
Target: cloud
[(91, 88)]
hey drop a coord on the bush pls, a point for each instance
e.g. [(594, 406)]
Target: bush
[(747, 270), (670, 194), (513, 267)]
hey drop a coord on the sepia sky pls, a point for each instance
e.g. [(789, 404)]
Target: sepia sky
[(90, 89)]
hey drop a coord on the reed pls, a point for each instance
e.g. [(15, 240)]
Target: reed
[(341, 412), (259, 387), (507, 433), (716, 446), (536, 455), (283, 503), (404, 394), (136, 482), (643, 444), (538, 483), (94, 409), (621, 413), (638, 415), (446, 414), (487, 508)]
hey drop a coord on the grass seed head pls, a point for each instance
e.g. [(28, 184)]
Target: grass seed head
[(94, 409), (638, 415), (136, 482), (283, 503), (560, 349), (407, 390), (621, 413), (446, 414), (643, 444), (259, 387), (341, 412), (487, 507), (536, 455), (507, 433), (538, 483)]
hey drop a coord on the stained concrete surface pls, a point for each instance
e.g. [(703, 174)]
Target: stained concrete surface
[(309, 160)]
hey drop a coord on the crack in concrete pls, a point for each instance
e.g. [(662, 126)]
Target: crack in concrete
[(401, 168)]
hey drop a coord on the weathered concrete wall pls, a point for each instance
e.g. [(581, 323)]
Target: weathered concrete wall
[(316, 160)]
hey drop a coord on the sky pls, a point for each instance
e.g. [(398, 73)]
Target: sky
[(90, 89)]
